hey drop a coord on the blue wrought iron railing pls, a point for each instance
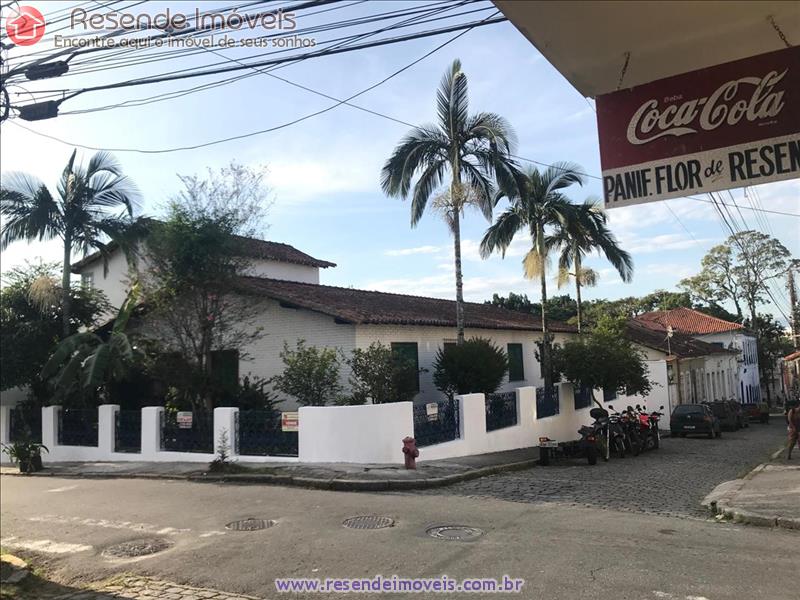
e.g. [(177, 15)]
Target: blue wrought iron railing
[(77, 427), (25, 424), (438, 427), (501, 410), (583, 397), (259, 433), (197, 438), (546, 403), (128, 431)]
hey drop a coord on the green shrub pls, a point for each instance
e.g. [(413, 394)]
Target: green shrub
[(310, 375), (382, 375), (476, 366)]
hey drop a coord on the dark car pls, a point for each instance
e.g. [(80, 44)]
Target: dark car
[(741, 417), (757, 412), (691, 419), (726, 415)]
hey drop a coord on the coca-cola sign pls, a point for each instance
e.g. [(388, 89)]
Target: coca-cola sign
[(727, 126)]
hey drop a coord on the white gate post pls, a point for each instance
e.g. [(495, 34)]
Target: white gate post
[(106, 429), (225, 420), (151, 431)]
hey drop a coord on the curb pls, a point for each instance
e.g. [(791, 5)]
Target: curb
[(339, 484), (720, 503)]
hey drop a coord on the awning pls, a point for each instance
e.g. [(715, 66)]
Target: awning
[(590, 42)]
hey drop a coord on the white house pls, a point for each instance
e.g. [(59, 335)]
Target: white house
[(744, 384), (294, 305)]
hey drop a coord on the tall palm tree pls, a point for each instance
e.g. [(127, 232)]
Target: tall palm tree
[(470, 149), (94, 203), (538, 206), (584, 232)]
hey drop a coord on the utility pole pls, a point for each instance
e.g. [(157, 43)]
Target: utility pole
[(793, 324)]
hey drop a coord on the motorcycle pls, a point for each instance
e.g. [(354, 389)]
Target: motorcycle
[(629, 426), (594, 438), (648, 424), (615, 433)]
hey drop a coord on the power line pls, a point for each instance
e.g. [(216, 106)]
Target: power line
[(293, 122)]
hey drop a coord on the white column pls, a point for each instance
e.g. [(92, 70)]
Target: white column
[(151, 431), (472, 422), (526, 404), (225, 424), (106, 429), (5, 424), (50, 427)]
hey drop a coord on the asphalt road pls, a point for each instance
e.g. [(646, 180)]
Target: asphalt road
[(670, 481), (561, 551)]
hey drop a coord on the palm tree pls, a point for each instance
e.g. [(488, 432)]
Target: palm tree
[(470, 149), (584, 232), (81, 216), (538, 205)]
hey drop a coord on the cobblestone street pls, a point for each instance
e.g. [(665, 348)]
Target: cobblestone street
[(670, 481)]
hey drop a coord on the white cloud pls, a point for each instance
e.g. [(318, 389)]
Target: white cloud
[(412, 251), (664, 242)]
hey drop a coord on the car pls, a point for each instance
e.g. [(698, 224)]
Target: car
[(693, 419), (741, 418), (726, 415), (757, 412)]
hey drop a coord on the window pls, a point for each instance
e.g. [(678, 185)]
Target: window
[(407, 351), (87, 281), (224, 369), (609, 395), (516, 370)]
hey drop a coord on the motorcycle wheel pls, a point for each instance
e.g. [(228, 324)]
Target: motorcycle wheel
[(591, 455), (619, 447), (656, 440), (604, 450), (544, 456)]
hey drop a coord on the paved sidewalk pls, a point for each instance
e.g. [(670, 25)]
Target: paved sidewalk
[(768, 496), (330, 476)]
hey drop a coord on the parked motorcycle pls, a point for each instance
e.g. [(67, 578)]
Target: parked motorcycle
[(648, 426), (594, 437), (617, 435), (629, 426)]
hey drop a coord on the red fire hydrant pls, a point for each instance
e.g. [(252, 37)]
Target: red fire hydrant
[(410, 451)]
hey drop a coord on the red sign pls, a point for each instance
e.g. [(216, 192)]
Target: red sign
[(290, 421), (727, 126), (25, 26)]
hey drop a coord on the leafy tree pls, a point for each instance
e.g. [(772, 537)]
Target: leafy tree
[(310, 374), (585, 231), (193, 286), (604, 359), (773, 344), (469, 148), (559, 308), (89, 363), (382, 375), (476, 366), (740, 271), (31, 321), (537, 204), (94, 203)]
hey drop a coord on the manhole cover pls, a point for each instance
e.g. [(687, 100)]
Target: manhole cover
[(250, 524), (136, 548), (368, 522), (460, 533)]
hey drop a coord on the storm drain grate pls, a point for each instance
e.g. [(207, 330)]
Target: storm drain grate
[(136, 548), (459, 533), (250, 524), (368, 522)]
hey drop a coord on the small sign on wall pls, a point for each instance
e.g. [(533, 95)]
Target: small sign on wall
[(290, 421), (185, 419), (432, 410)]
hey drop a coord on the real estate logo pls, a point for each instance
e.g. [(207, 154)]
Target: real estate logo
[(26, 26)]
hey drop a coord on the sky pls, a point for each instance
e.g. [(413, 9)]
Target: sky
[(324, 172)]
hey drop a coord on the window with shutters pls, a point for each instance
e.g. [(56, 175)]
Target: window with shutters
[(516, 369), (408, 353)]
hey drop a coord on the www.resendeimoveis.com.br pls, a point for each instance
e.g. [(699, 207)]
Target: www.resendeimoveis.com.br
[(394, 584)]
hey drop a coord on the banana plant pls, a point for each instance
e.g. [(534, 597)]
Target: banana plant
[(88, 361)]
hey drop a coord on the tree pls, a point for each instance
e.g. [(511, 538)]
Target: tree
[(773, 344), (469, 148), (537, 205), (87, 362), (559, 308), (193, 287), (740, 270), (585, 231), (476, 366), (604, 359), (94, 203), (31, 321), (310, 374), (381, 375)]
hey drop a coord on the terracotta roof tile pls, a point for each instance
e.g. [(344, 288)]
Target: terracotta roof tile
[(686, 320), (369, 307), (680, 344)]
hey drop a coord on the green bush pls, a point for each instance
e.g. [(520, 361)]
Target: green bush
[(310, 375), (382, 375), (476, 366)]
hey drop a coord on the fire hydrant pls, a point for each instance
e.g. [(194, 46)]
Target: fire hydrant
[(410, 451)]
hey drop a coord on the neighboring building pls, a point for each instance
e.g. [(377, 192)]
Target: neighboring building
[(678, 365), (791, 376), (745, 386), (295, 306)]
